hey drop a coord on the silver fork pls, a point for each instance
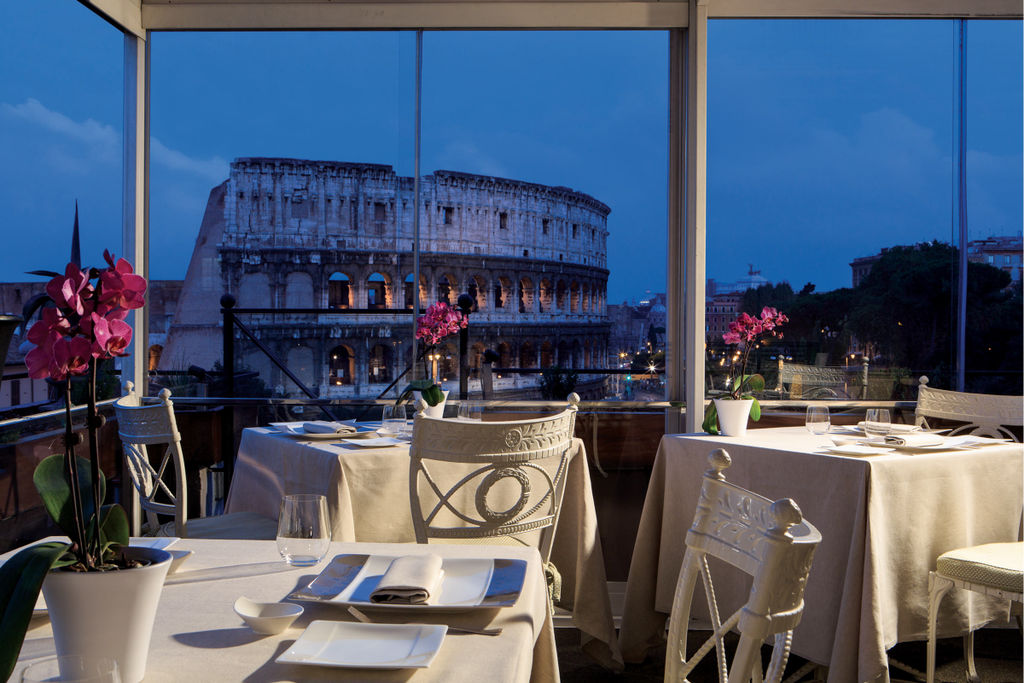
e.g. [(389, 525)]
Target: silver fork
[(360, 616)]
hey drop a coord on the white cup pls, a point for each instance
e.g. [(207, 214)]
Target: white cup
[(303, 529), (877, 421)]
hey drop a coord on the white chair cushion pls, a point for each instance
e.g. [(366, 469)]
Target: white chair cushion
[(997, 565)]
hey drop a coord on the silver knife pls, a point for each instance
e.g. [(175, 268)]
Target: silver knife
[(332, 580)]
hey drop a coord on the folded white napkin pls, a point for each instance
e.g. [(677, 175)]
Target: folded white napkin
[(916, 440), (327, 428), (410, 580), (894, 428)]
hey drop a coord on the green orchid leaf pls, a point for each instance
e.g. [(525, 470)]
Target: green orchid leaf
[(52, 484), (21, 577), (432, 395), (113, 526), (431, 392), (755, 410), (755, 383), (710, 424)]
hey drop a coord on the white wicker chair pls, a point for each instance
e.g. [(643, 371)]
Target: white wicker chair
[(995, 569), (769, 541), (142, 426), (492, 481), (984, 414)]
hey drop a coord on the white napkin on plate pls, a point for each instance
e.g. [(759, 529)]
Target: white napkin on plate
[(328, 428), (917, 440), (410, 580)]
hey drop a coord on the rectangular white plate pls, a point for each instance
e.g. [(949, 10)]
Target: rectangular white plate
[(376, 442), (468, 583), (856, 449), (366, 646)]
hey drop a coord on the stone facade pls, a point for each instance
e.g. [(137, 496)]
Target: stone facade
[(295, 234)]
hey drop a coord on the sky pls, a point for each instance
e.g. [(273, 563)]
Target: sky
[(827, 140)]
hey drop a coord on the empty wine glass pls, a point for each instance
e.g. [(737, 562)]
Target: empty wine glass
[(817, 420), (877, 421), (392, 420), (471, 410), (303, 529)]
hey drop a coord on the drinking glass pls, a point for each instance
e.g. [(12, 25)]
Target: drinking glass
[(877, 421), (303, 529), (817, 420), (392, 419), (471, 410), (73, 669)]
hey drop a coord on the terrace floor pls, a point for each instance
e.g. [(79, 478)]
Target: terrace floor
[(997, 655)]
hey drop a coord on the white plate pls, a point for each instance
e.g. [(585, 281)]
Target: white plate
[(366, 646), (856, 449), (467, 583), (295, 429), (376, 442)]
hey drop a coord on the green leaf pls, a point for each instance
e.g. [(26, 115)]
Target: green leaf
[(21, 577), (431, 392), (751, 383), (710, 424), (52, 484), (755, 410), (113, 526)]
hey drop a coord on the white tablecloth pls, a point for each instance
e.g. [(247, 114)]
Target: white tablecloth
[(367, 493), (883, 519), (197, 636)]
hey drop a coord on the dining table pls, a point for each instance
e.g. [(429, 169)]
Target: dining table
[(197, 636), (884, 518), (367, 491)]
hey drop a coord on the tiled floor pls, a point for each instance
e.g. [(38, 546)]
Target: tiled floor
[(998, 654)]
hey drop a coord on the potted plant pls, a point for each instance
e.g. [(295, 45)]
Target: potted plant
[(441, 320), (730, 412), (101, 594)]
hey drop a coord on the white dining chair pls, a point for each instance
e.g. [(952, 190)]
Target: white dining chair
[(995, 569), (499, 482), (770, 541), (982, 414), (141, 426)]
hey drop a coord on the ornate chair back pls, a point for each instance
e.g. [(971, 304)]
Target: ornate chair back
[(769, 541), (493, 481), (142, 426), (985, 414)]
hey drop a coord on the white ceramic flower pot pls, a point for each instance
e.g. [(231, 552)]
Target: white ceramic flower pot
[(108, 614), (733, 416), (432, 411)]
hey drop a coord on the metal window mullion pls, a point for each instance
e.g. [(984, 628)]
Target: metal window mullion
[(694, 225), (135, 196)]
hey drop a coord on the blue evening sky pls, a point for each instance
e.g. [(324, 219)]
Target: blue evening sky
[(827, 140)]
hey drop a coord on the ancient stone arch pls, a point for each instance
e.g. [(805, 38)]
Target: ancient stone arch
[(339, 290), (298, 290), (341, 365)]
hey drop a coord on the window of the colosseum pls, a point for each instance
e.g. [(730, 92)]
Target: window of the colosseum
[(546, 295), (449, 212), (376, 291), (575, 230), (503, 220), (445, 286), (526, 252), (380, 364), (545, 225), (560, 297), (338, 291), (547, 355), (342, 366)]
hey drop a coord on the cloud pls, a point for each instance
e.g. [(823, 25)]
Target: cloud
[(103, 143)]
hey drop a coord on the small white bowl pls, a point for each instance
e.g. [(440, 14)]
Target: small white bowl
[(268, 618)]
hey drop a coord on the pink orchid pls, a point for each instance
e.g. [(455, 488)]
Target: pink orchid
[(69, 290), (112, 337), (750, 331), (39, 360)]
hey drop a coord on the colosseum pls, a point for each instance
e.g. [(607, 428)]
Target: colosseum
[(297, 234)]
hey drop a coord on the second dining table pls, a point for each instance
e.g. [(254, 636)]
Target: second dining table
[(884, 519), (367, 492)]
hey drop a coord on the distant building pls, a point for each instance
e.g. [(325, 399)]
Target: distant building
[(291, 233), (1004, 253), (723, 299)]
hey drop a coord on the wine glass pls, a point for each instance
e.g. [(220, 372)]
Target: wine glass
[(303, 529), (392, 421), (817, 420), (73, 668), (471, 410), (877, 421)]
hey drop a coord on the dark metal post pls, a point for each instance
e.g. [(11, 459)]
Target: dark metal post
[(465, 303), (227, 416)]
